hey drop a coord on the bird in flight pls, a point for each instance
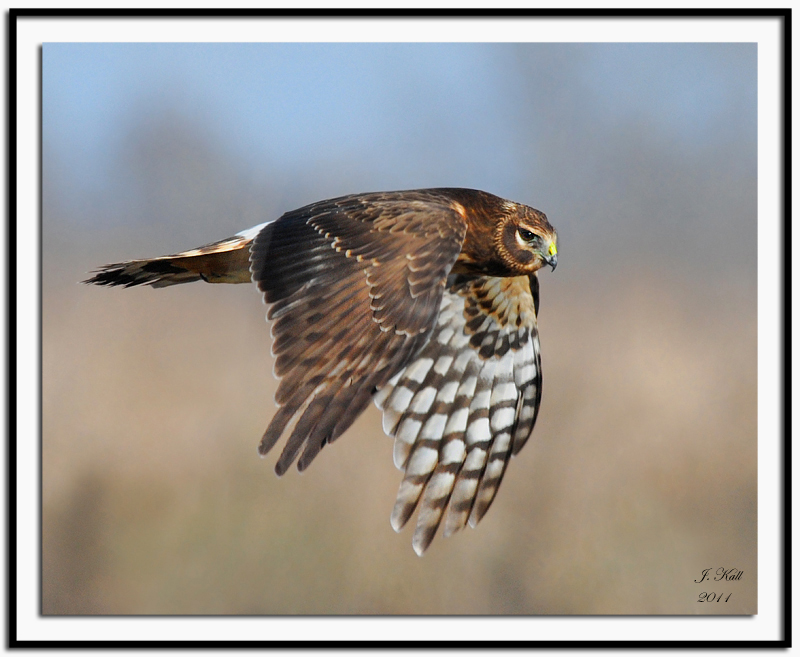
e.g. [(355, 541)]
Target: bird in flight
[(423, 301)]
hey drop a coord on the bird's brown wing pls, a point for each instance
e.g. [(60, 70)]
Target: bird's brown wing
[(354, 287), (465, 404)]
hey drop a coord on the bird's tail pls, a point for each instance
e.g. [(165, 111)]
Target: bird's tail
[(226, 261)]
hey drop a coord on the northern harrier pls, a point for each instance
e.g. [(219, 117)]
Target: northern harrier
[(424, 301)]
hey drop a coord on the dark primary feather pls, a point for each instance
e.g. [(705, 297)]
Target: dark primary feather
[(354, 286)]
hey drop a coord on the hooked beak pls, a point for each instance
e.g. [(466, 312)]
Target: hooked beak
[(552, 255)]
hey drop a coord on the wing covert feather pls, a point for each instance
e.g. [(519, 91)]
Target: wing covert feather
[(354, 286)]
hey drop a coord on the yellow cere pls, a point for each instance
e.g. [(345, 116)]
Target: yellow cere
[(552, 250)]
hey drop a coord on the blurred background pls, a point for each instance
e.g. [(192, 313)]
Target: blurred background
[(642, 468)]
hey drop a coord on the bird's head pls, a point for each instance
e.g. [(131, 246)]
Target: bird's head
[(525, 240)]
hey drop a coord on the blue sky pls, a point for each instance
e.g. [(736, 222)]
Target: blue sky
[(300, 102), (658, 138)]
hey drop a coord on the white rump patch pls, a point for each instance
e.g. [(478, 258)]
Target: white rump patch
[(251, 233)]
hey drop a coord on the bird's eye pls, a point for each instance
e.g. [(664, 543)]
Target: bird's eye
[(527, 235)]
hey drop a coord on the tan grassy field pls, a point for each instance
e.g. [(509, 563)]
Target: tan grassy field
[(641, 471)]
